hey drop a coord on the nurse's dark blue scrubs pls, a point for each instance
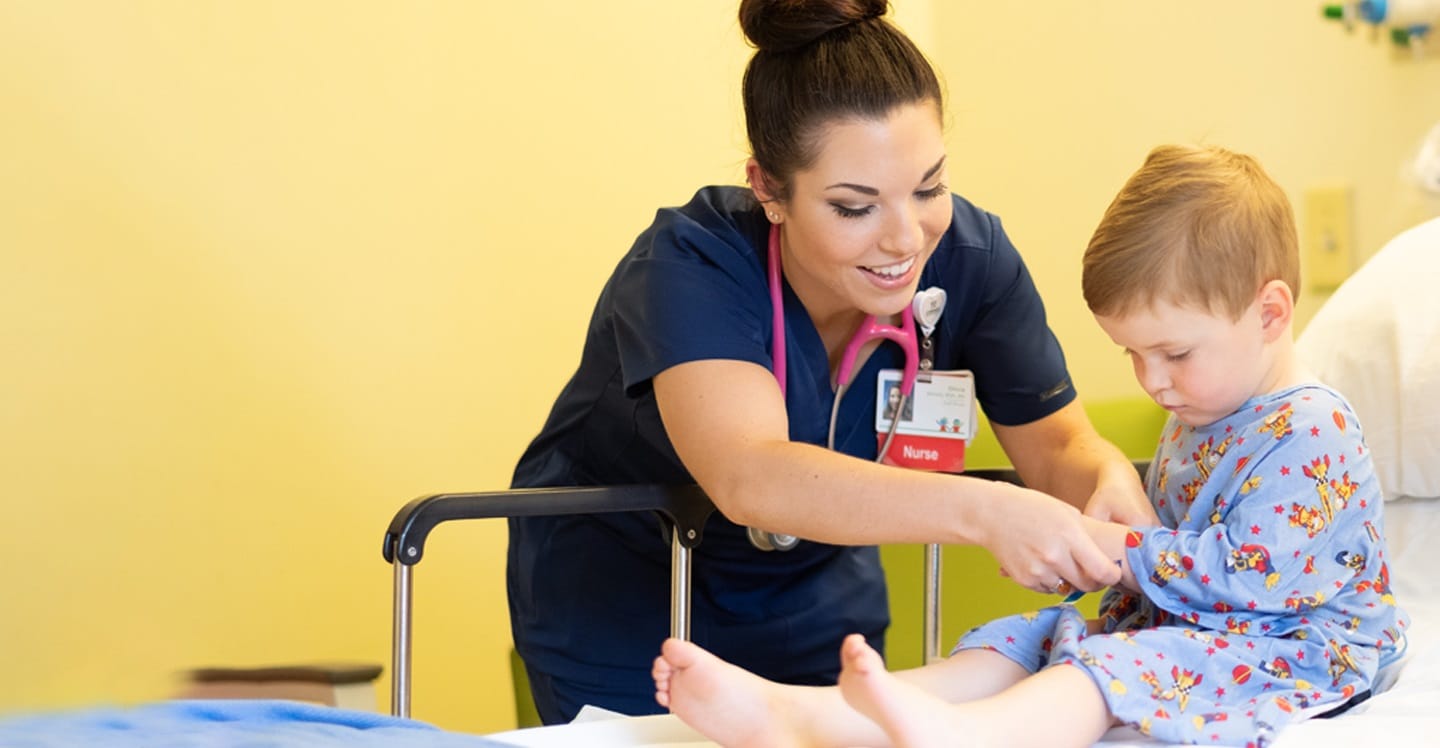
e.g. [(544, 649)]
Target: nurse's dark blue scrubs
[(590, 595)]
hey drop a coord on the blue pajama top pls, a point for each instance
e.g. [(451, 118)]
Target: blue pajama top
[(589, 595), (1265, 596)]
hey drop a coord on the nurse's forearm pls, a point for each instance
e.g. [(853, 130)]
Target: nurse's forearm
[(728, 424), (1064, 456), (1086, 464), (814, 493), (820, 495)]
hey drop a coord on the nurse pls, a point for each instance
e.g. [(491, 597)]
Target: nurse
[(676, 384)]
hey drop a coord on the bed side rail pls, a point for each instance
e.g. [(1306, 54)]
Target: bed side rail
[(685, 509)]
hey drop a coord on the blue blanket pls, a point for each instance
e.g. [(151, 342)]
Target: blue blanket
[(252, 724)]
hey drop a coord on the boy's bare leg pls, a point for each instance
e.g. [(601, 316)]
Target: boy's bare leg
[(1059, 706), (911, 717), (739, 709), (734, 707)]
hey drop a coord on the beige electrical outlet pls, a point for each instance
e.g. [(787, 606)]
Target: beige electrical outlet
[(1326, 252)]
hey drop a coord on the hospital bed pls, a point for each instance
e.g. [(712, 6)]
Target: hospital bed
[(1377, 340)]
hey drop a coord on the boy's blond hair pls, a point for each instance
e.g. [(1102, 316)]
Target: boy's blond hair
[(1196, 226)]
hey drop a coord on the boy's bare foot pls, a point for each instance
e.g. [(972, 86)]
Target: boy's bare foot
[(727, 704), (911, 717)]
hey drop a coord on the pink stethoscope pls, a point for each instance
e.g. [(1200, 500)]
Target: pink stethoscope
[(870, 328)]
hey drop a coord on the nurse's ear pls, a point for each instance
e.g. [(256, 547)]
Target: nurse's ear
[(765, 193)]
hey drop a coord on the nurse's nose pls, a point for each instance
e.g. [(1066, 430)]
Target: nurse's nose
[(904, 234)]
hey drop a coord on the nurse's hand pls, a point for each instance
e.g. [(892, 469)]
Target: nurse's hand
[(1041, 541), (1122, 500)]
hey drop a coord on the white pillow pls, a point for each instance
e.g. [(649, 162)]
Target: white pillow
[(1377, 341), (1411, 527)]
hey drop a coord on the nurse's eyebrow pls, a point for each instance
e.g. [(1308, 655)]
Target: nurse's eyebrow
[(864, 190)]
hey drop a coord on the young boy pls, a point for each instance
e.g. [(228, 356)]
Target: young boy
[(1263, 598)]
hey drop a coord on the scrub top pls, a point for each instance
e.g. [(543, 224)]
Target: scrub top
[(590, 594)]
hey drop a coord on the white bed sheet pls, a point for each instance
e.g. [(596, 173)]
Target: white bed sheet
[(1406, 715)]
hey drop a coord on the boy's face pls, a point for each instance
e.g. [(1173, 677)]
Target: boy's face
[(1195, 364)]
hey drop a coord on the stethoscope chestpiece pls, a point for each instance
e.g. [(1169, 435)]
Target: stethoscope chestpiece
[(771, 541)]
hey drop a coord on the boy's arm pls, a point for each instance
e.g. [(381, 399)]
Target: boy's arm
[(1111, 537)]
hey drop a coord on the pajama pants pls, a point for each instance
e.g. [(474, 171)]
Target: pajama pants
[(1180, 684)]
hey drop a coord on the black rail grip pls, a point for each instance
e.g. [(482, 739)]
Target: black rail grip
[(686, 507)]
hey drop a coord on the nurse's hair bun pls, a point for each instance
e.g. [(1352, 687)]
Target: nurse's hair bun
[(783, 25)]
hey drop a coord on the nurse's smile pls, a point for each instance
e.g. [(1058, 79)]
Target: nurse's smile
[(897, 275)]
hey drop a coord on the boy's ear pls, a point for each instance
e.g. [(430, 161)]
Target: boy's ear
[(1277, 309), (760, 185)]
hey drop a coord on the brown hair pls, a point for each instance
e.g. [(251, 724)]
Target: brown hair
[(816, 61), (1196, 226)]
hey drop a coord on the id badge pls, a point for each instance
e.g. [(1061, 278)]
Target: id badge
[(935, 424)]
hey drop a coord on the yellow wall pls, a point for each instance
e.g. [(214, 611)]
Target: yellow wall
[(268, 270), (271, 269)]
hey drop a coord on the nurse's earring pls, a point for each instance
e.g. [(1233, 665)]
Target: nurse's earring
[(774, 217)]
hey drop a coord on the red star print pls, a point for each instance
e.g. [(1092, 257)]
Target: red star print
[(1258, 408), (1299, 654), (1267, 686), (1364, 503), (1220, 693), (1314, 430), (1254, 529), (1009, 640), (1228, 429), (1159, 655), (1205, 579), (1264, 627), (1139, 663), (1209, 650), (1253, 605), (1185, 599), (1342, 458), (1239, 441), (1279, 508), (1284, 469)]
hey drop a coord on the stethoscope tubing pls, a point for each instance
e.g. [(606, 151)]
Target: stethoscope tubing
[(871, 328)]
